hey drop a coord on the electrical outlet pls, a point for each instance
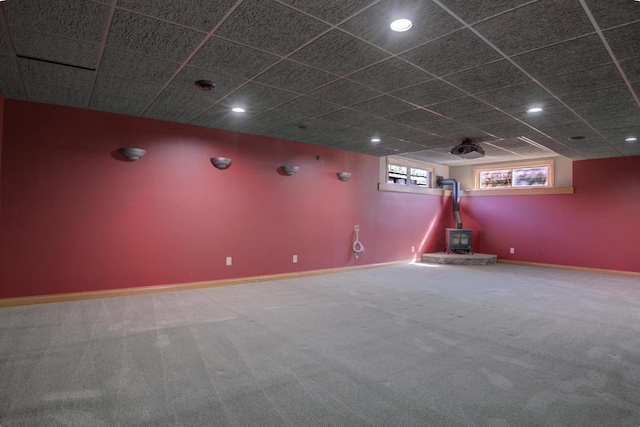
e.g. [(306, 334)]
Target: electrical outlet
[(356, 228), (295, 259), (512, 251), (413, 249), (228, 260)]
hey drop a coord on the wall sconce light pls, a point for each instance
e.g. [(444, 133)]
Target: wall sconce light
[(132, 154), (343, 176), (221, 163), (289, 169)]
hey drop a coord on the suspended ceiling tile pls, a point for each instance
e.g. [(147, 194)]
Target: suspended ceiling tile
[(383, 106), (188, 100), (607, 96), (417, 118), (201, 15), (458, 134), (304, 130), (536, 25), (347, 117), (256, 98), (58, 49), (270, 26), (518, 95), (601, 112), (306, 107), (118, 104), (136, 67), (455, 52), (8, 69), (611, 13), (629, 123), (377, 128), (42, 73), (482, 120), (481, 9), (57, 95), (125, 88), (631, 68), (487, 77), (570, 56), (563, 132), (11, 89), (75, 19), (148, 36), (584, 80), (171, 113), (294, 77), (508, 129), (224, 57), (337, 137), (431, 92), (220, 117), (267, 122), (429, 22), (460, 107), (444, 126), (344, 93), (339, 53), (390, 75), (333, 11), (186, 78), (624, 41), (549, 119)]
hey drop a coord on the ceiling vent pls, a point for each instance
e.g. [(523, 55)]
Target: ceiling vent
[(206, 85), (468, 149)]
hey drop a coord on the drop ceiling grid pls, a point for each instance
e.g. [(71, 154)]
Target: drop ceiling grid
[(375, 75)]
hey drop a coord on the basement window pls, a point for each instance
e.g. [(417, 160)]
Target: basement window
[(409, 172), (514, 175)]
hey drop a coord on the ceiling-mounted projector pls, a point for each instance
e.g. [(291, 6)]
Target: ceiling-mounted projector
[(468, 149)]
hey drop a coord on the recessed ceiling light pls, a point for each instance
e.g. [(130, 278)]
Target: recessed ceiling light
[(237, 110), (534, 110), (401, 25), (576, 138), (631, 138), (375, 139)]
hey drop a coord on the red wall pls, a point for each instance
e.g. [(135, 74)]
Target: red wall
[(597, 227), (76, 217)]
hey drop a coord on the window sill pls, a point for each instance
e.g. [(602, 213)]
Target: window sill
[(398, 188), (519, 191)]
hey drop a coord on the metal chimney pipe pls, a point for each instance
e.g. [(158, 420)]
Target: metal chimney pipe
[(456, 198)]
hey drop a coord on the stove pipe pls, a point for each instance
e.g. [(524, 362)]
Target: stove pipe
[(456, 199)]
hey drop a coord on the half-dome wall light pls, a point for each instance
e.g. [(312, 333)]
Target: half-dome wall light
[(343, 176), (221, 163), (132, 154), (289, 169)]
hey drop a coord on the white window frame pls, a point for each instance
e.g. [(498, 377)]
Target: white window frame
[(397, 161), (514, 166)]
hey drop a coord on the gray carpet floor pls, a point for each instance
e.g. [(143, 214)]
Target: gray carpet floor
[(413, 345)]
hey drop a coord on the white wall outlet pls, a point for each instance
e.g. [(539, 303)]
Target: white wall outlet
[(356, 228), (512, 251), (413, 249), (295, 259), (228, 260)]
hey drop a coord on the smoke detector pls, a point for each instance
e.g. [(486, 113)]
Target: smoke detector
[(468, 149), (206, 85)]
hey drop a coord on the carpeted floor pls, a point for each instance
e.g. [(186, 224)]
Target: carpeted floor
[(415, 345)]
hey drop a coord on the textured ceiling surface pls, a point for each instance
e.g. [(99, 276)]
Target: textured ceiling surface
[(332, 73)]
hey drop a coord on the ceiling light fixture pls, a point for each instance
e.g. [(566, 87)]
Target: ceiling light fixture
[(237, 110), (534, 110), (401, 25), (375, 140), (576, 138), (631, 138)]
